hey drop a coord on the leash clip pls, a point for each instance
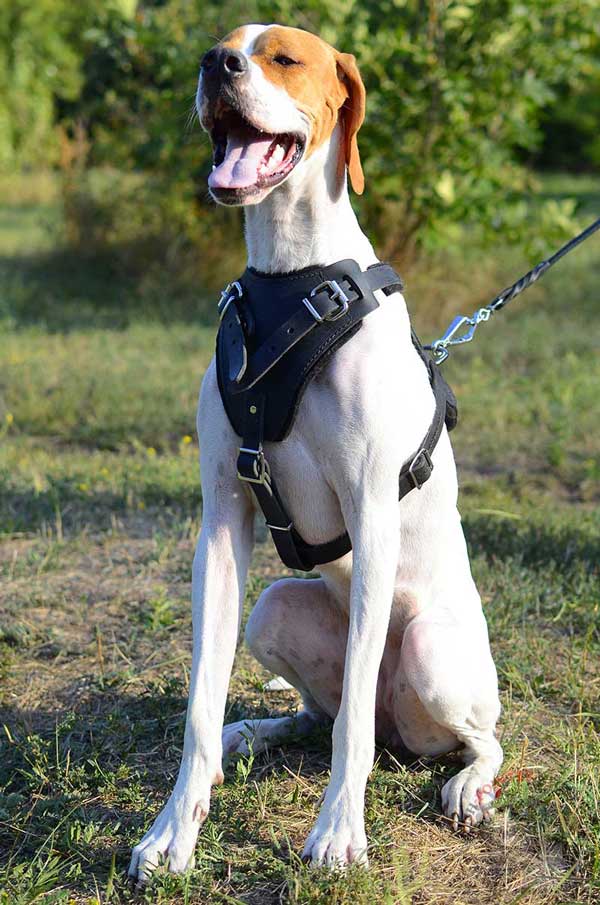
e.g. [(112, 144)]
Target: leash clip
[(439, 348)]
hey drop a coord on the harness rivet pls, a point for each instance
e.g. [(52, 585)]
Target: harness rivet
[(253, 410)]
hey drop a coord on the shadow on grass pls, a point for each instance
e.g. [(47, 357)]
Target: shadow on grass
[(535, 545), (62, 290), (101, 760), (71, 511)]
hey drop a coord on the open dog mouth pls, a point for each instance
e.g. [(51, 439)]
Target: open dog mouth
[(246, 159)]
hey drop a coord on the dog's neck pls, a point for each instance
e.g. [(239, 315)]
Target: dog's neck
[(306, 221)]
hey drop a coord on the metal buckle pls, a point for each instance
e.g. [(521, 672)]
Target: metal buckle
[(260, 466), (335, 293), (411, 469), (231, 291)]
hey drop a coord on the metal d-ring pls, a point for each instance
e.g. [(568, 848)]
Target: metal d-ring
[(228, 295)]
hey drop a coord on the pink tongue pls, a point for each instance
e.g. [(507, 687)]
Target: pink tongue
[(243, 156)]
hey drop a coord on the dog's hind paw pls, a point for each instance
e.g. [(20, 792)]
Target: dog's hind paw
[(256, 735), (468, 799)]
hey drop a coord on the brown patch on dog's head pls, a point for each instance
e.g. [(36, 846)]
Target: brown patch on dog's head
[(324, 84)]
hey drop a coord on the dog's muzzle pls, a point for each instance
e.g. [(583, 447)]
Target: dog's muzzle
[(221, 67)]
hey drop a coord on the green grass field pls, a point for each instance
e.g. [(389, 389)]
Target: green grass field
[(99, 510)]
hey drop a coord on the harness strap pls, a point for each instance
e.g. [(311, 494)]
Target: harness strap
[(253, 469), (417, 469)]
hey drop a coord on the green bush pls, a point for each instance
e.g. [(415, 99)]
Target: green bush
[(571, 127), (38, 65), (455, 93)]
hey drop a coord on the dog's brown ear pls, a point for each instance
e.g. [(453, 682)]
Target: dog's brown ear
[(352, 115)]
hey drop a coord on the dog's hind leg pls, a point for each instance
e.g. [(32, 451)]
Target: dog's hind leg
[(297, 632), (449, 665)]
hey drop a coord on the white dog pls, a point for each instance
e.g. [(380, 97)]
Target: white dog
[(391, 641)]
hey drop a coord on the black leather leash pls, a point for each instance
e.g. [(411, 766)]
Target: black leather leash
[(266, 354), (453, 335)]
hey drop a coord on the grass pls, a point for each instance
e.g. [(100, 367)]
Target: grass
[(99, 510)]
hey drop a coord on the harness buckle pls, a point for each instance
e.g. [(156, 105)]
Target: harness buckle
[(228, 295), (335, 293), (260, 468), (421, 459)]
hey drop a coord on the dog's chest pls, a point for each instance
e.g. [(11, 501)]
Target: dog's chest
[(344, 421)]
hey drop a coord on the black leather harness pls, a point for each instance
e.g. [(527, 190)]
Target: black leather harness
[(277, 331)]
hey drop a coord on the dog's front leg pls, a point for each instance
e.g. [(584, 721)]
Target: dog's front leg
[(219, 569), (218, 581), (338, 836)]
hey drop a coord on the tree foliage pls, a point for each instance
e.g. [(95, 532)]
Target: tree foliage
[(455, 88), (38, 63), (571, 122)]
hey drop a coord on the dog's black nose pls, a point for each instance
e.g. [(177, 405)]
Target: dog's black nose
[(223, 64), (233, 63)]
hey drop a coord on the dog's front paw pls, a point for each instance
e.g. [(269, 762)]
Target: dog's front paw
[(337, 839), (171, 839)]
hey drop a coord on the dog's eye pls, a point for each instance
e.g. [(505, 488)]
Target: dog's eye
[(282, 60)]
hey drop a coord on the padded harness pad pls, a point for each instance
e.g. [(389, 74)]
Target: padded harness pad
[(285, 345)]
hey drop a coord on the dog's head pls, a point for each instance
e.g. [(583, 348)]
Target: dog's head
[(269, 97)]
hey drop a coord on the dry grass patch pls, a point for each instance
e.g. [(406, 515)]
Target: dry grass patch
[(96, 654)]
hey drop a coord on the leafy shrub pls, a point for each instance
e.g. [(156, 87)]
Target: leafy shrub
[(455, 92)]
